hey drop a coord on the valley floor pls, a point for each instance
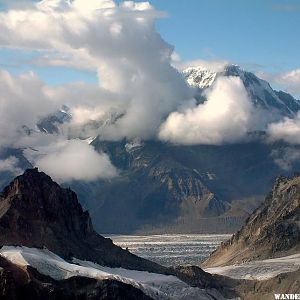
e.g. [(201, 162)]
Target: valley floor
[(259, 270), (171, 250)]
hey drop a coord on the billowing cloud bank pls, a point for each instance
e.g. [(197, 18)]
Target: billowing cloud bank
[(287, 130), (23, 100), (140, 94), (79, 160), (118, 42), (137, 84), (226, 116)]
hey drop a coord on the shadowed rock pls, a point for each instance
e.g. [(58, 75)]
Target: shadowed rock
[(36, 212)]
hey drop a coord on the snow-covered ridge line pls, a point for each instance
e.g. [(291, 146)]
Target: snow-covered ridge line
[(199, 77), (157, 286), (259, 90)]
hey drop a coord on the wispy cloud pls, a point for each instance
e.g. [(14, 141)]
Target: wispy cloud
[(212, 65), (288, 81), (10, 164), (286, 157), (287, 130)]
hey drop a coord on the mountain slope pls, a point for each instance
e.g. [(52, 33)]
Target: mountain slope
[(173, 188), (272, 230), (37, 212), (49, 249), (178, 188), (18, 283), (259, 90)]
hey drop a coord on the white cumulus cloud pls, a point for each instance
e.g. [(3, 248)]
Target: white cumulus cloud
[(138, 85), (24, 99), (226, 116), (287, 130), (119, 42), (74, 160)]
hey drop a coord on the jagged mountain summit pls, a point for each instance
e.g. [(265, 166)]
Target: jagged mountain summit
[(272, 230), (36, 212), (278, 103), (260, 91), (49, 249), (50, 123)]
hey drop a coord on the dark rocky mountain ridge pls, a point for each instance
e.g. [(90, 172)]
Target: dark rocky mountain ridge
[(172, 188), (36, 212), (272, 230)]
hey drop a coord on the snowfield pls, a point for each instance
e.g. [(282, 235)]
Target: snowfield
[(259, 270), (157, 286)]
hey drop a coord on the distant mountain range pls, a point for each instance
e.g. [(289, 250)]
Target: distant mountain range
[(201, 188), (164, 187), (36, 212)]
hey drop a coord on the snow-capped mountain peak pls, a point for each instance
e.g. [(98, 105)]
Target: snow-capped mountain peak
[(199, 77), (259, 90)]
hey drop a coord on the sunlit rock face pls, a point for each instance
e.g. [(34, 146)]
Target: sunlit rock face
[(272, 230)]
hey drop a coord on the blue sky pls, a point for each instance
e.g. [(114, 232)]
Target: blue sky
[(259, 35), (253, 32)]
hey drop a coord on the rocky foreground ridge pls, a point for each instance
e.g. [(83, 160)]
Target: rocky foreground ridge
[(36, 212), (272, 230)]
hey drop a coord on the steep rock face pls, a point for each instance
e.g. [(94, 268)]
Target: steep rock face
[(37, 212), (18, 283), (158, 188), (272, 230), (175, 188)]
